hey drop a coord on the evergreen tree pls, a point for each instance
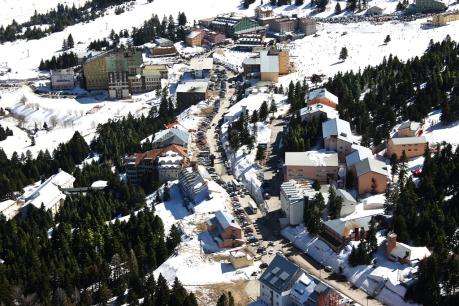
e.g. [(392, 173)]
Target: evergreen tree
[(343, 54)]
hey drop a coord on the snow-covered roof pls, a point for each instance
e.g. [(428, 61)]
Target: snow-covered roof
[(408, 140), (302, 289), (319, 107), (343, 226), (173, 135), (312, 159), (370, 165), (9, 208), (48, 193), (345, 195), (322, 93), (192, 86), (225, 220), (99, 184), (193, 34), (409, 253), (202, 63), (359, 153), (337, 127), (411, 125)]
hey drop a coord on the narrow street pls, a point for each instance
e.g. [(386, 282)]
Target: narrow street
[(266, 223)]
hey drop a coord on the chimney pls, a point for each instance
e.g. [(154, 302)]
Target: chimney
[(391, 242)]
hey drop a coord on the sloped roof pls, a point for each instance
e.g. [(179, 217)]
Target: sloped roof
[(280, 274), (337, 127), (178, 133), (311, 109), (192, 86), (370, 165), (409, 253), (358, 154), (412, 125), (344, 227), (225, 220)]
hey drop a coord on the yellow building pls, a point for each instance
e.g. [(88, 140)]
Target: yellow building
[(441, 20), (95, 72), (284, 62)]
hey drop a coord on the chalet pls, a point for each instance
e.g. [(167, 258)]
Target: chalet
[(311, 165), (213, 38), (371, 176), (337, 136), (225, 230), (403, 253), (201, 67), (163, 48), (338, 232), (322, 96), (412, 146)]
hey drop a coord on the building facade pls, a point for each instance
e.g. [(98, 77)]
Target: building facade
[(194, 38), (225, 230), (95, 72), (371, 176), (62, 79), (311, 165), (412, 146), (292, 202)]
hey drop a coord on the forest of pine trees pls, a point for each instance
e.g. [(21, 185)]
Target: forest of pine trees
[(59, 18), (65, 60), (427, 214), (399, 91), (4, 133)]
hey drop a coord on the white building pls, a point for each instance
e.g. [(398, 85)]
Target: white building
[(62, 79), (10, 208), (292, 201), (193, 185), (169, 166), (48, 194)]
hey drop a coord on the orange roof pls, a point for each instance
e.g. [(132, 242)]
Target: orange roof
[(153, 154)]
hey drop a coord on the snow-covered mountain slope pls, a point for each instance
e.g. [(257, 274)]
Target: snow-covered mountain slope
[(364, 42), (24, 56), (22, 10)]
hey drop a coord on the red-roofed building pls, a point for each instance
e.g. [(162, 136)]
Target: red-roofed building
[(164, 163)]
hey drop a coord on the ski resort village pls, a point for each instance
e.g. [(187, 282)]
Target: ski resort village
[(229, 152)]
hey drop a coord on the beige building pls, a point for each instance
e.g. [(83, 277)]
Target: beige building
[(267, 65), (441, 20), (413, 146), (371, 176), (153, 74), (311, 165)]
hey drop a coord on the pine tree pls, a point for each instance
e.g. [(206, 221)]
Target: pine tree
[(343, 54), (337, 8), (387, 39), (70, 43)]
